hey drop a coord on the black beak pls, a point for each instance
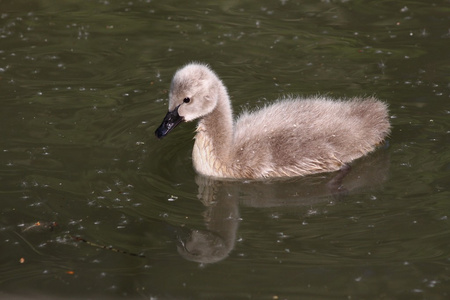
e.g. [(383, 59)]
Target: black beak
[(171, 120)]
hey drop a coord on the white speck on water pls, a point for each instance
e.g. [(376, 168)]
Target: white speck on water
[(172, 198), (275, 216), (312, 212), (282, 235), (431, 283), (423, 33)]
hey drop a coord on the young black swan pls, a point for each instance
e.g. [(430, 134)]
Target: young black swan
[(293, 137)]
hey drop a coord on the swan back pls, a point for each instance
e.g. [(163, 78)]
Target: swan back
[(298, 136)]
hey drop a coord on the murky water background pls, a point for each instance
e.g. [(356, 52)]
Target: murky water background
[(92, 205)]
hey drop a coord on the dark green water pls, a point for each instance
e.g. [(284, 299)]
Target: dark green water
[(83, 85)]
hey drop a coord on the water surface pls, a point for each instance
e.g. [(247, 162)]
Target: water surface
[(92, 205)]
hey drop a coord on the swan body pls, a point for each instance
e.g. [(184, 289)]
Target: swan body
[(293, 137)]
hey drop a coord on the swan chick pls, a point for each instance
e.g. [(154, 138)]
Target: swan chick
[(292, 137)]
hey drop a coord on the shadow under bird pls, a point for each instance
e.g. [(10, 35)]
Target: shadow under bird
[(292, 137)]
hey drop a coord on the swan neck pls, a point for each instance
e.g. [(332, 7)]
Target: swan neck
[(219, 125), (214, 138)]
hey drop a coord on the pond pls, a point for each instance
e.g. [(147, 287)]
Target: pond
[(92, 205)]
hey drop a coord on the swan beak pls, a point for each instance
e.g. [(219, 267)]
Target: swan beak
[(171, 120)]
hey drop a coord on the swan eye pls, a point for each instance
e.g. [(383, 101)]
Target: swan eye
[(187, 100)]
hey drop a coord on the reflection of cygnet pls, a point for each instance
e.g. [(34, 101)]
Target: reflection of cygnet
[(222, 220), (292, 137), (204, 247), (222, 198)]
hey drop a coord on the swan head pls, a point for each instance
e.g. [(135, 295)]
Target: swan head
[(194, 93)]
